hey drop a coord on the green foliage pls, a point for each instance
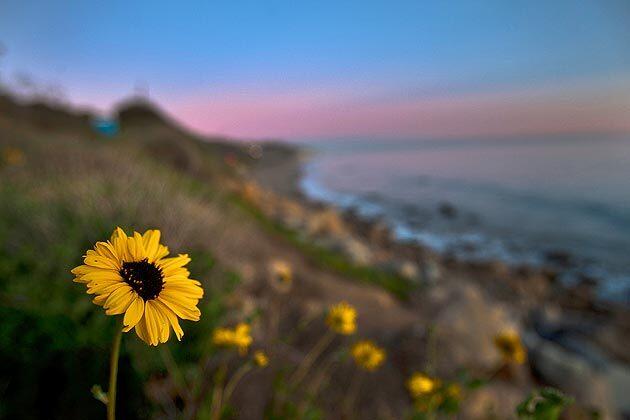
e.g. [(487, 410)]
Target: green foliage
[(545, 404), (284, 407), (445, 400), (54, 342), (326, 258), (470, 382), (47, 373)]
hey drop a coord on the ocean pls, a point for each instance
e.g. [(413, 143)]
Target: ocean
[(561, 201)]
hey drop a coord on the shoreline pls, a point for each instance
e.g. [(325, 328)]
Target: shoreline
[(283, 174), (475, 246)]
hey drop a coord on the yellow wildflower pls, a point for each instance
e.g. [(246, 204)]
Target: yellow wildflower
[(239, 337), (260, 358), (454, 391), (131, 275), (280, 276), (367, 355), (510, 346), (222, 337), (12, 156), (242, 337), (420, 384), (342, 318)]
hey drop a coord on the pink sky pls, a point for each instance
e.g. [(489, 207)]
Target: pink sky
[(322, 113)]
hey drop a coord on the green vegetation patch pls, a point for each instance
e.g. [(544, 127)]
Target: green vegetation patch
[(397, 285)]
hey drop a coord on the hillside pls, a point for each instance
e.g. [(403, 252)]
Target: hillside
[(64, 187)]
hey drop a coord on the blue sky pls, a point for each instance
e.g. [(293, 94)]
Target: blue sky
[(199, 60)]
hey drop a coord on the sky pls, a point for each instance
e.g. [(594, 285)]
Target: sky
[(335, 69)]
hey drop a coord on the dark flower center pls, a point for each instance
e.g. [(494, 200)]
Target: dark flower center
[(144, 278), (507, 346)]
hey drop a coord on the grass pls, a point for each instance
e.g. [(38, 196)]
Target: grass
[(54, 343), (69, 194)]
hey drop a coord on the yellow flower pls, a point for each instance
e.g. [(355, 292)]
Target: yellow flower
[(239, 337), (368, 355), (131, 275), (252, 193), (280, 276), (242, 337), (510, 346), (222, 337), (454, 391), (342, 318), (420, 384), (12, 156), (260, 358)]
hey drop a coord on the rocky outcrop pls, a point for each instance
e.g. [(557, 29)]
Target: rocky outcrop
[(590, 385), (465, 325), (464, 305)]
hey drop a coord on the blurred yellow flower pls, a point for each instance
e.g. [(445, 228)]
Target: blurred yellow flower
[(454, 391), (251, 192), (280, 276), (12, 156), (367, 355), (510, 346), (420, 384), (242, 337), (342, 318), (222, 337), (239, 337), (260, 358), (131, 275)]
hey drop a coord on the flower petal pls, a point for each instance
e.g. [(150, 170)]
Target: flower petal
[(151, 240), (153, 323), (102, 274), (170, 266), (95, 260), (118, 233), (119, 300), (104, 288), (120, 245), (83, 269), (183, 308), (164, 329), (188, 288), (100, 300), (171, 317), (161, 252), (142, 331), (105, 249), (136, 247), (134, 313)]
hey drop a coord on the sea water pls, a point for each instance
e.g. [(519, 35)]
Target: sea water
[(559, 200)]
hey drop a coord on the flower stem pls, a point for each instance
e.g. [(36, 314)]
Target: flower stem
[(217, 394), (176, 374), (352, 393), (234, 380), (311, 357), (113, 374)]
